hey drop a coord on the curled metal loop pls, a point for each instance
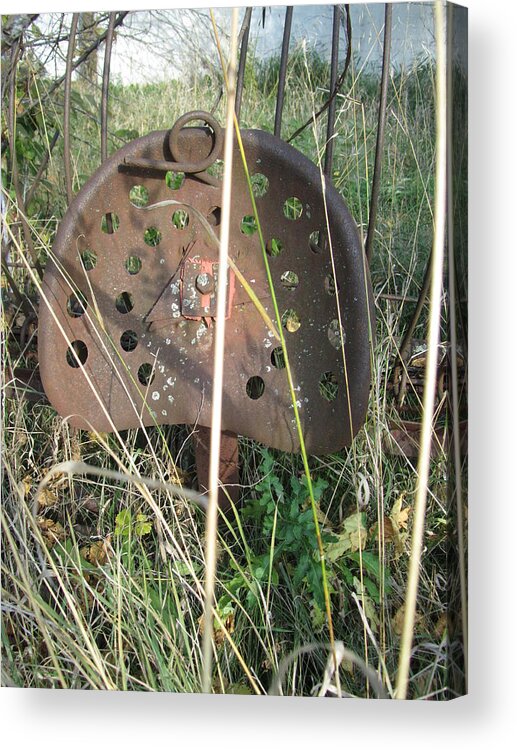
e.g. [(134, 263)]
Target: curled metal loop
[(199, 166)]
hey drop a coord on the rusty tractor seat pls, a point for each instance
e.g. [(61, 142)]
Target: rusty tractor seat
[(126, 330)]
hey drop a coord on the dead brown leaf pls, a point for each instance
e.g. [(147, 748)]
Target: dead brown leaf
[(397, 621), (91, 504), (441, 626), (399, 522), (52, 531), (97, 553), (219, 633), (46, 498), (27, 483)]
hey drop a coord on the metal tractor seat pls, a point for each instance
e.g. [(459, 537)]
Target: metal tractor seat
[(126, 332)]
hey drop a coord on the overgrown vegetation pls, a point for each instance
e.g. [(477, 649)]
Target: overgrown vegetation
[(102, 582)]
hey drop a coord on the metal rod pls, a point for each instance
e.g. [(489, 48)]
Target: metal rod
[(6, 45), (379, 148), (397, 298), (20, 298), (14, 160), (105, 87), (283, 70), (42, 167), (245, 31), (399, 369), (339, 83), (331, 121), (79, 61), (66, 114)]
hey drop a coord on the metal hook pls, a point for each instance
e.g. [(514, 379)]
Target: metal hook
[(196, 168)]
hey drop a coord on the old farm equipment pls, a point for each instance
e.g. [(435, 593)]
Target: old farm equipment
[(125, 334), (126, 337)]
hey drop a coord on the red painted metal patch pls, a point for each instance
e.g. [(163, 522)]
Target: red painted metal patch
[(199, 289)]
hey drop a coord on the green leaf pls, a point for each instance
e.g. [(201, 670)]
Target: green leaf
[(318, 616), (182, 568), (301, 570), (123, 523), (352, 537), (295, 485), (372, 589), (142, 525), (371, 564), (347, 574)]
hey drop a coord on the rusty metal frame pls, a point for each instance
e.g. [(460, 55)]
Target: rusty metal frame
[(283, 70), (331, 117), (144, 163), (339, 83), (179, 359), (245, 33), (105, 87), (379, 146), (11, 120), (66, 111)]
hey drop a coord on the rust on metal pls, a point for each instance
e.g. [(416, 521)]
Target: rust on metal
[(185, 155), (244, 35), (198, 290), (117, 348), (228, 465), (331, 118), (381, 126), (15, 176), (66, 110), (105, 86), (283, 70), (403, 439)]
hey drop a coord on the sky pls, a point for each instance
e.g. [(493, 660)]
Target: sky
[(155, 45)]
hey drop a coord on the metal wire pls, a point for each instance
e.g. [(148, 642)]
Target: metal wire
[(379, 147), (21, 299), (42, 167), (105, 87), (15, 53), (78, 61), (283, 70), (245, 33), (331, 121), (339, 83), (66, 114)]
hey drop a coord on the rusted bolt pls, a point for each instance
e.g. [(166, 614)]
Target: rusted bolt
[(205, 283)]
